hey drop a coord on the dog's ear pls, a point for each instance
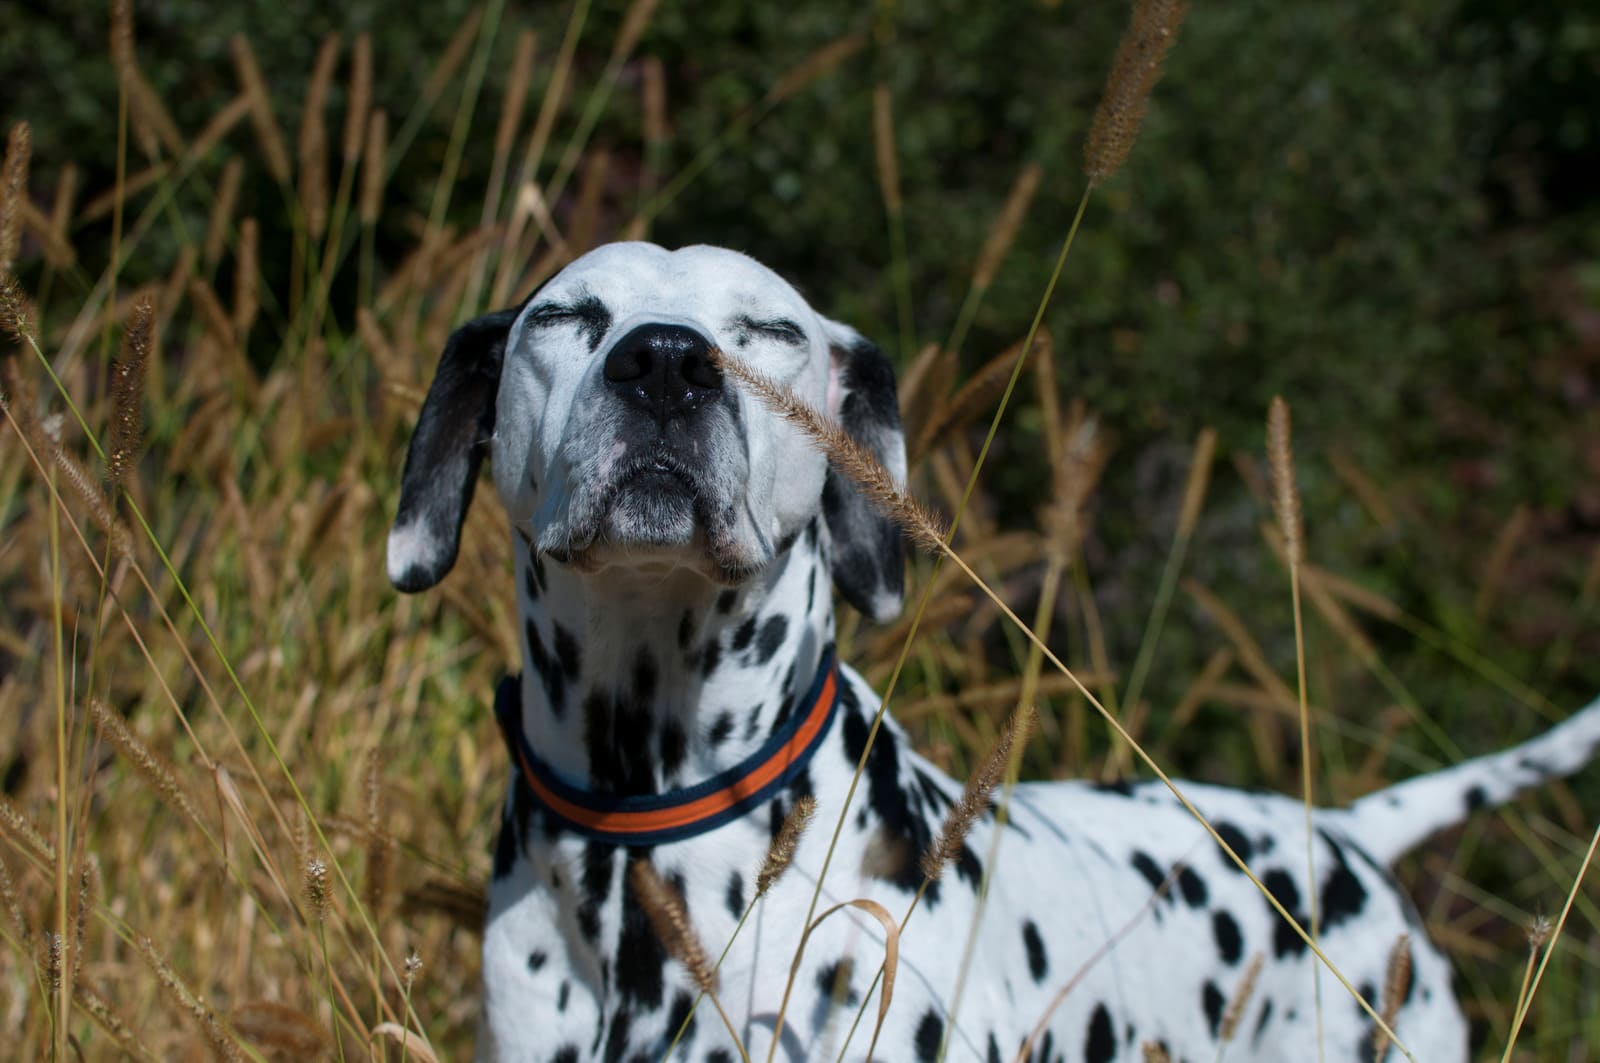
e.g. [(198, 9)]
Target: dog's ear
[(868, 549), (452, 434)]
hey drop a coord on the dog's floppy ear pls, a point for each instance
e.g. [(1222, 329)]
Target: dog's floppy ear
[(452, 434), (868, 550)]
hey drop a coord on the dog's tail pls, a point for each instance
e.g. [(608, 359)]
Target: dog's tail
[(1391, 821)]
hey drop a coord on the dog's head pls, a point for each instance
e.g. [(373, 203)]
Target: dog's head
[(618, 445)]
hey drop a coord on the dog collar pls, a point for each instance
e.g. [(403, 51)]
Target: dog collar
[(653, 819)]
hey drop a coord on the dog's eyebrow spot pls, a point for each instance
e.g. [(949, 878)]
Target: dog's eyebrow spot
[(588, 313), (779, 328)]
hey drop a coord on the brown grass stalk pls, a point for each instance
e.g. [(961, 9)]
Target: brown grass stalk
[(313, 148), (268, 136), (246, 280), (221, 218), (359, 103), (1003, 233), (373, 176), (1134, 72)]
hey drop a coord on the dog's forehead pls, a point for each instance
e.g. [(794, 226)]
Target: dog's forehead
[(701, 281)]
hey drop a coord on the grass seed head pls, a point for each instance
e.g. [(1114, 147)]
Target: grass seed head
[(1285, 495), (13, 193), (1241, 998), (780, 854), (975, 796), (670, 921), (127, 389), (1134, 73)]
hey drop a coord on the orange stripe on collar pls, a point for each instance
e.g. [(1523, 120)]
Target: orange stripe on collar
[(653, 819)]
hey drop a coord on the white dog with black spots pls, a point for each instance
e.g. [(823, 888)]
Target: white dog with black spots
[(679, 548)]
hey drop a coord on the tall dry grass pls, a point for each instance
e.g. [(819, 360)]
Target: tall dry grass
[(250, 792)]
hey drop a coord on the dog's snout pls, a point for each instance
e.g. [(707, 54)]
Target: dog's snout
[(664, 369)]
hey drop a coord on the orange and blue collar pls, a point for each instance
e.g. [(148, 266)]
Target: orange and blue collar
[(654, 819)]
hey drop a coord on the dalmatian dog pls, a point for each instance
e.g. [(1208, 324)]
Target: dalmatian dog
[(678, 548)]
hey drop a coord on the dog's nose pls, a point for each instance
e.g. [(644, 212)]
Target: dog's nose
[(663, 369)]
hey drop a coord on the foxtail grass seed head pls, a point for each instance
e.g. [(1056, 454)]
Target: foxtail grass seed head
[(314, 883), (222, 1044), (88, 889), (255, 89), (21, 829), (780, 853), (127, 389), (222, 205), (13, 193), (975, 796), (846, 455), (1006, 226), (1396, 984), (413, 967), (1285, 495), (16, 311), (13, 903), (816, 65), (360, 99), (1539, 932), (314, 139), (155, 771), (1241, 998), (670, 921), (1134, 73), (107, 1018), (377, 837), (372, 175), (1194, 490), (1154, 1052), (122, 37), (51, 949), (884, 148)]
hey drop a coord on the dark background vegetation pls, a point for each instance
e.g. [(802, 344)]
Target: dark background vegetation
[(1384, 211)]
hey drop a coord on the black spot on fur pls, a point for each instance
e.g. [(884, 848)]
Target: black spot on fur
[(1285, 942), (1192, 887), (641, 959), (1261, 1023), (565, 1054), (734, 898), (645, 675), (888, 802), (712, 658), (1100, 1046), (772, 635), (531, 584), (1146, 866), (513, 827), (673, 746), (726, 601), (536, 959), (596, 884), (969, 868), (1213, 1001), (682, 1006), (1237, 841), (930, 1031), (561, 997), (567, 652), (555, 682), (1038, 963), (744, 635), (1120, 787), (685, 629), (721, 730), (719, 1055), (537, 564), (617, 1036), (1230, 945), (1343, 896)]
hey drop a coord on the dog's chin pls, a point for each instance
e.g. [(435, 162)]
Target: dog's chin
[(656, 520)]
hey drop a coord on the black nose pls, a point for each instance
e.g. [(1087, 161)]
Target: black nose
[(663, 369)]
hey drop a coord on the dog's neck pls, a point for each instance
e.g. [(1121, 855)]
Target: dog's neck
[(626, 694)]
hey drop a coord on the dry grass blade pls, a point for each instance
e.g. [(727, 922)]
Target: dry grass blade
[(1004, 231), (13, 193), (246, 279), (372, 168), (781, 852), (1134, 72), (127, 390), (978, 394), (280, 1029), (891, 961), (360, 100), (412, 1045), (814, 66), (268, 135), (845, 454), (314, 140), (976, 795)]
